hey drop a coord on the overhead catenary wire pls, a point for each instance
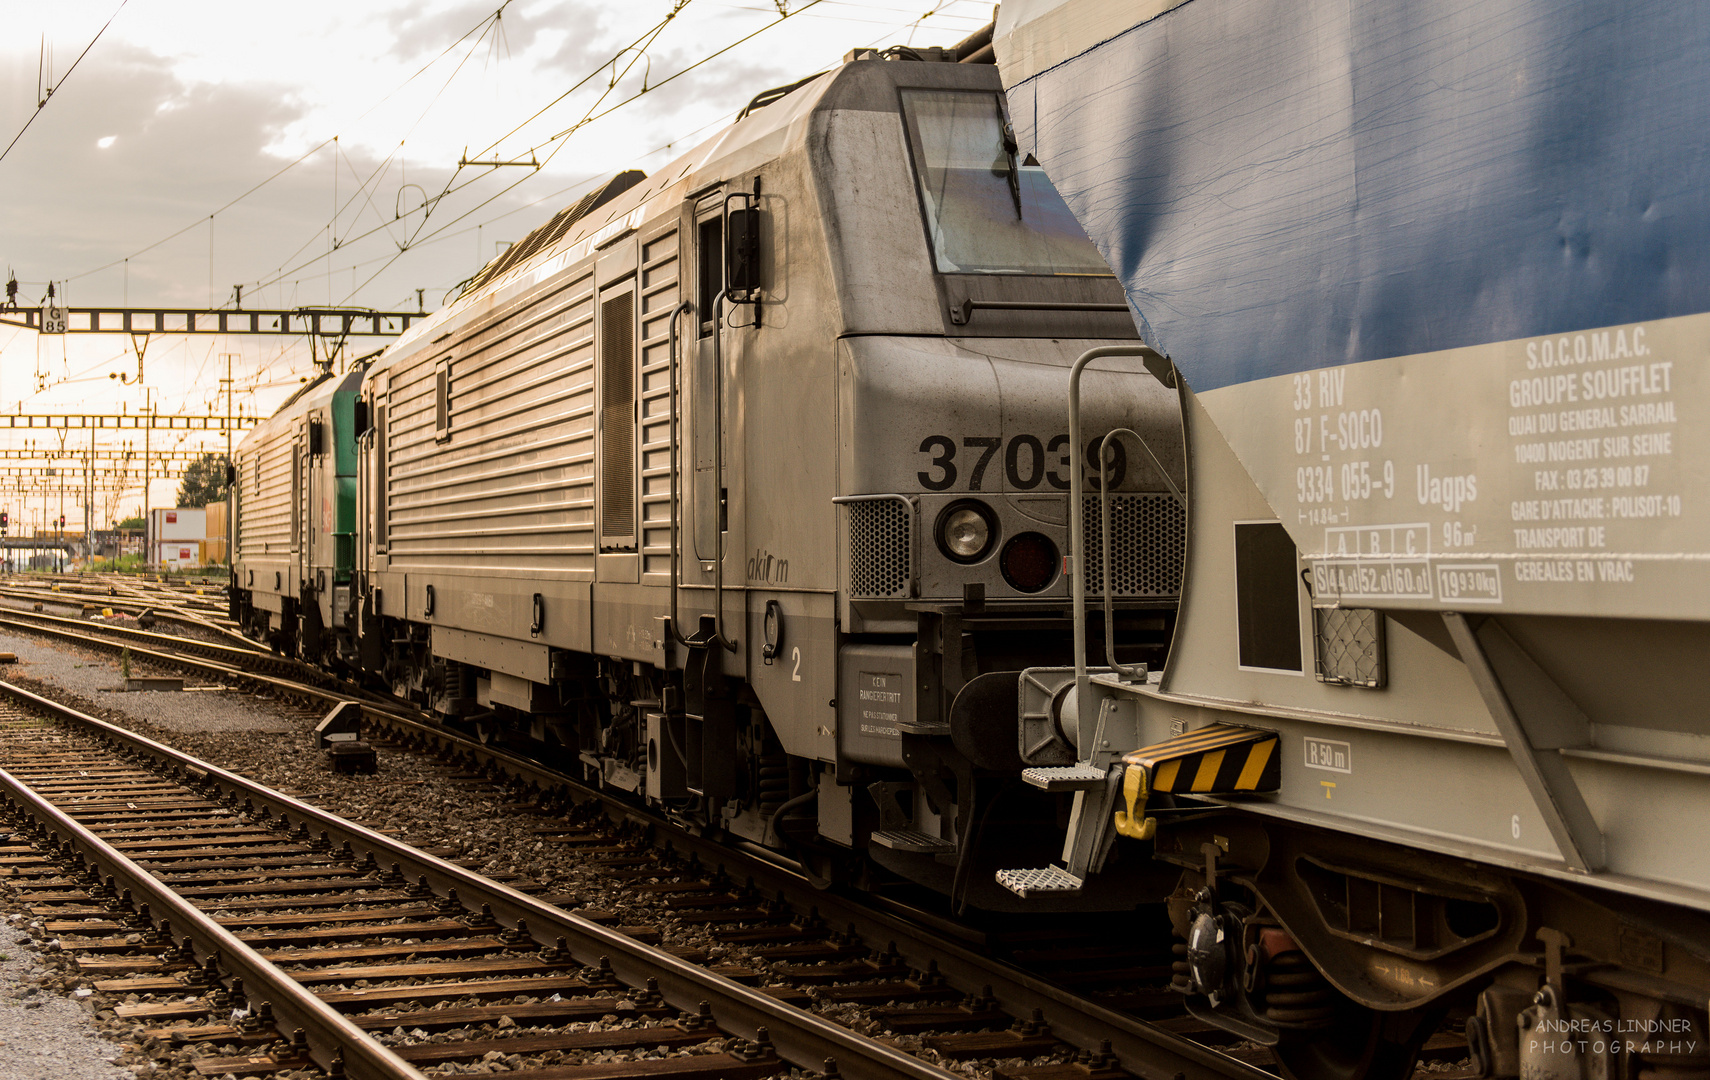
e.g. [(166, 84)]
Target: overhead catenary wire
[(558, 141), (442, 234), (480, 26), (428, 203), (41, 102), (362, 200), (639, 50), (551, 195), (378, 170), (452, 187), (649, 36)]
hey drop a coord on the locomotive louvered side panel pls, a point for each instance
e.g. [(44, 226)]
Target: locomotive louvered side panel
[(661, 292), (264, 494), (508, 481)]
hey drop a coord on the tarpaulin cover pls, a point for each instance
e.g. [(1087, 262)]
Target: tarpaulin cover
[(1289, 184)]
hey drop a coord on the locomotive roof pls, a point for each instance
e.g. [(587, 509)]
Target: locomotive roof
[(754, 139), (317, 391)]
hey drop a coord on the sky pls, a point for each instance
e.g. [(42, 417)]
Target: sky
[(166, 152)]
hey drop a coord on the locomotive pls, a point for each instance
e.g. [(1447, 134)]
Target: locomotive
[(1431, 738), (743, 487)]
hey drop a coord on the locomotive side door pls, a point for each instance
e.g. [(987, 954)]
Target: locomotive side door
[(371, 524), (311, 499), (299, 505), (615, 348), (706, 503), (371, 483)]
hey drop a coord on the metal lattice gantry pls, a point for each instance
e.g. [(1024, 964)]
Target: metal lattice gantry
[(105, 456), (124, 421), (103, 473), (327, 322), (74, 474)]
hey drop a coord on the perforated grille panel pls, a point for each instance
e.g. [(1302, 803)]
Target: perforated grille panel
[(1148, 542), (879, 548), (617, 419), (1350, 647)]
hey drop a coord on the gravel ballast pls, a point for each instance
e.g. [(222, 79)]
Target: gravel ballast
[(418, 799), (96, 676), (43, 1034)]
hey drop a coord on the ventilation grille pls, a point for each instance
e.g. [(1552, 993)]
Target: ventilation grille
[(617, 419), (879, 547), (1350, 647), (1148, 541)]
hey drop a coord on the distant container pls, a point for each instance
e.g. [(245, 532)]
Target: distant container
[(180, 523), (176, 537), (214, 541), (177, 554)]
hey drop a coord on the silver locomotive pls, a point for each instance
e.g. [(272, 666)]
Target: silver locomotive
[(743, 487)]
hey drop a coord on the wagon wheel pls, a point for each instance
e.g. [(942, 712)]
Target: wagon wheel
[(1363, 1044)]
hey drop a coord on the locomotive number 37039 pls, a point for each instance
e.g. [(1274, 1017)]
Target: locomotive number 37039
[(1028, 462)]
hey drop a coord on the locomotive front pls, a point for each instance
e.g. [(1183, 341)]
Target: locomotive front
[(967, 292), (743, 488)]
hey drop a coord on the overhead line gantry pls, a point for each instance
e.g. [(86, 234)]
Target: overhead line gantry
[(126, 421), (330, 322)]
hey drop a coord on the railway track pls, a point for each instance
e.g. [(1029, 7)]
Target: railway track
[(166, 606), (246, 918), (254, 668), (1008, 993)]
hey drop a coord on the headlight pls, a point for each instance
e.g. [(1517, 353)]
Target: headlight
[(965, 531), (1029, 562)]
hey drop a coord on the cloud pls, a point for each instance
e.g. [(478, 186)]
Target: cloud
[(174, 154), (421, 35)]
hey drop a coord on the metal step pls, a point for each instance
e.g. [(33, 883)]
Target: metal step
[(1047, 879), (911, 840), (1065, 777)]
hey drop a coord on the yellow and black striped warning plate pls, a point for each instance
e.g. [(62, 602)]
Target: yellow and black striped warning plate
[(1219, 759)]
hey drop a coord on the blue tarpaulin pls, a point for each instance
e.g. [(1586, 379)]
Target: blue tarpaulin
[(1288, 185)]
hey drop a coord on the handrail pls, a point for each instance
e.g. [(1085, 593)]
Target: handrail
[(843, 500), (676, 465), (1071, 563), (718, 478), (1122, 671)]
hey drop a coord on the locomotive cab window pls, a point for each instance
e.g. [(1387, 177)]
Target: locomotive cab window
[(441, 401), (987, 210), (1267, 597), (709, 276)]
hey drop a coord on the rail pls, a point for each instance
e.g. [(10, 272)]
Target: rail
[(1142, 1048), (331, 1036), (801, 1038)]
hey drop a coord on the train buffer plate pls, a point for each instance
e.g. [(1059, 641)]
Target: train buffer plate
[(1216, 759), (1065, 777)]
